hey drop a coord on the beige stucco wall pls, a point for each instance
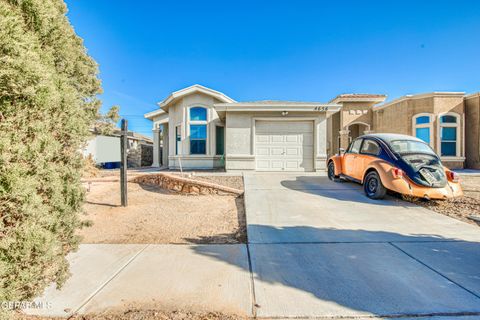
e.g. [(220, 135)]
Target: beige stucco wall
[(472, 131), (398, 118), (240, 133), (178, 115)]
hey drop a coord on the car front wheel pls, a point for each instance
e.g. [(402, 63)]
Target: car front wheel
[(331, 172), (373, 186)]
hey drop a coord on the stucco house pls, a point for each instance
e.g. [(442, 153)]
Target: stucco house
[(200, 128), (448, 121)]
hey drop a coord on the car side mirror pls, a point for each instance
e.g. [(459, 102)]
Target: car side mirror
[(341, 151)]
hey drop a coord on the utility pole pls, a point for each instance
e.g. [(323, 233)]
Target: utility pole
[(123, 164)]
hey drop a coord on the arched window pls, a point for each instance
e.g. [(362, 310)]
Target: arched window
[(198, 114), (448, 127), (198, 130), (422, 127)]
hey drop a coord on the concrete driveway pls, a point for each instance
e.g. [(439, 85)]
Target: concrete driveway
[(322, 249)]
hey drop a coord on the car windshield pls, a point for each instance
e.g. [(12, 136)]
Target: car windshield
[(410, 146)]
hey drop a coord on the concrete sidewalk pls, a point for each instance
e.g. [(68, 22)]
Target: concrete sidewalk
[(197, 277)]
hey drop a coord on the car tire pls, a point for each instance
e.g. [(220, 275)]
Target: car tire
[(373, 186), (331, 172)]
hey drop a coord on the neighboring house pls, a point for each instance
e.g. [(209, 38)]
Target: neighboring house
[(448, 121), (197, 126), (105, 150), (472, 131)]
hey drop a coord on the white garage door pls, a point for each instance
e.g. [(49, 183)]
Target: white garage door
[(284, 145)]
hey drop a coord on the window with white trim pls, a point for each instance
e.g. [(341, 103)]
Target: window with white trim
[(198, 130), (422, 127), (178, 139), (449, 135)]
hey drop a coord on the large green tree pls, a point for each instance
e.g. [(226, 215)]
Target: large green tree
[(48, 89)]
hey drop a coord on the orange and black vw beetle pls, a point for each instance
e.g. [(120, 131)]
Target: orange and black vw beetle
[(400, 163)]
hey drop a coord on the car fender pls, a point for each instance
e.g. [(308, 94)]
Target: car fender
[(337, 161), (383, 168), (385, 171)]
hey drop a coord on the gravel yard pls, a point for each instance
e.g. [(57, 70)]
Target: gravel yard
[(155, 215), (460, 208)]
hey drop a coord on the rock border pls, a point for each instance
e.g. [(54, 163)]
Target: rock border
[(184, 185)]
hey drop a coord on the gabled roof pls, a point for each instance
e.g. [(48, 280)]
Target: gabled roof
[(359, 97), (196, 88)]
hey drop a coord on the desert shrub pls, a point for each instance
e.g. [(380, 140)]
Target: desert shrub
[(48, 88)]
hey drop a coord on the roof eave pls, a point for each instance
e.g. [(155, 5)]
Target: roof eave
[(259, 107)]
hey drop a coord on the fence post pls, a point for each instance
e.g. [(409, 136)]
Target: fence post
[(123, 164)]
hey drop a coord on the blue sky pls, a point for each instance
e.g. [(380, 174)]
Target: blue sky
[(292, 50)]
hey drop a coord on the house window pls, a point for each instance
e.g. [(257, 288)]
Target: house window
[(220, 140), (422, 127), (198, 130), (198, 139), (178, 139), (448, 130), (198, 114)]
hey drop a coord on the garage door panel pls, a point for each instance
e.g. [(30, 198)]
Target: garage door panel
[(276, 164), (293, 138), (289, 145), (262, 151), (277, 138), (263, 164), (263, 138), (277, 151), (293, 151)]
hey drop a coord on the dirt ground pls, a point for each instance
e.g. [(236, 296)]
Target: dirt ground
[(140, 314), (155, 215), (460, 208)]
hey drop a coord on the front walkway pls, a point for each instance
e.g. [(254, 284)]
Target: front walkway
[(317, 249)]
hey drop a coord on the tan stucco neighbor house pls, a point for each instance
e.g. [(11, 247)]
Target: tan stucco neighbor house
[(200, 128)]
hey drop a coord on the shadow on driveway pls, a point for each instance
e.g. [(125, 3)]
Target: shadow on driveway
[(362, 278)]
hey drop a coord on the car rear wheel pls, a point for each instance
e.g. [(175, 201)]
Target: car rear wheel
[(373, 186), (331, 172)]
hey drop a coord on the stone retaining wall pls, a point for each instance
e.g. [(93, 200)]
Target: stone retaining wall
[(185, 185)]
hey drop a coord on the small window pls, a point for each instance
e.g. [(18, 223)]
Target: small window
[(448, 119), (178, 139), (449, 140), (220, 140), (370, 147), (198, 139), (422, 120), (422, 127), (423, 134), (355, 146), (198, 114)]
